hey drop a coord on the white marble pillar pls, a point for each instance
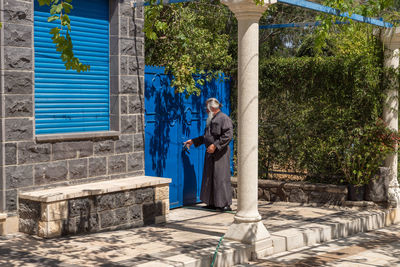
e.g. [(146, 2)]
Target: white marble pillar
[(391, 41), (247, 226)]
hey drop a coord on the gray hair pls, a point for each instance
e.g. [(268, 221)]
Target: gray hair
[(213, 102)]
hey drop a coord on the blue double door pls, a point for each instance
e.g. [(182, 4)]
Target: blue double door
[(171, 119)]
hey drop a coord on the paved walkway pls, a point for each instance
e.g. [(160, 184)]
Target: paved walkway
[(192, 233), (375, 248)]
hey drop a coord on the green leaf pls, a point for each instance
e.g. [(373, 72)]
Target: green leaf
[(52, 18), (44, 2), (67, 7), (60, 35)]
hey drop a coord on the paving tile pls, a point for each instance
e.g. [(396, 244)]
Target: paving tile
[(192, 231)]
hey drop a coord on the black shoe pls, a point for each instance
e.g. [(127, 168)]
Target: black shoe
[(209, 207), (224, 209)]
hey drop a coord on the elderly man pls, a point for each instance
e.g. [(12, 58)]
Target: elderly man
[(216, 189)]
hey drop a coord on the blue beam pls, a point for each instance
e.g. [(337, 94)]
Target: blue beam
[(299, 3), (297, 25), (335, 12)]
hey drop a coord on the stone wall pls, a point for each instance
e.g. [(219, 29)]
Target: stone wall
[(117, 210), (272, 190), (28, 161)]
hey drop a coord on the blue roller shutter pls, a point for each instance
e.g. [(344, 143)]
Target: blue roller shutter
[(67, 101)]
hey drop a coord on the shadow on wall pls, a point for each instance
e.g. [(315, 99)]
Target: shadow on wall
[(162, 122), (172, 118), (190, 182)]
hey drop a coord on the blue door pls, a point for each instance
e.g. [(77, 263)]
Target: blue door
[(171, 119)]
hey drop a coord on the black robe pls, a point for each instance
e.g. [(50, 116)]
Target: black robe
[(216, 186)]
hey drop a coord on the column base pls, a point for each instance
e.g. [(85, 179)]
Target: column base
[(251, 233), (394, 196), (392, 216)]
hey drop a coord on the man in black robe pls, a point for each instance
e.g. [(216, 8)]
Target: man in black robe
[(216, 189)]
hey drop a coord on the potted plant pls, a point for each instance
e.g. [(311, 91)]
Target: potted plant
[(366, 151)]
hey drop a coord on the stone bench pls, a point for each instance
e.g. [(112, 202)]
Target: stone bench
[(94, 207)]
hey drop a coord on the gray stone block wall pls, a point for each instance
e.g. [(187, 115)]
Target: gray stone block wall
[(27, 164), (299, 192)]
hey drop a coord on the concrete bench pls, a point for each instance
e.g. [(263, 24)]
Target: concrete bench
[(94, 207)]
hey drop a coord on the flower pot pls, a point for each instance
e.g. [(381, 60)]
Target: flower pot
[(356, 192), (377, 189)]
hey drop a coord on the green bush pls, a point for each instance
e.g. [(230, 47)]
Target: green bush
[(320, 116), (364, 152)]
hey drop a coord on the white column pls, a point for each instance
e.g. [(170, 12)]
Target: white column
[(247, 226), (391, 41)]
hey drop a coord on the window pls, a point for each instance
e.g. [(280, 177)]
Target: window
[(67, 101)]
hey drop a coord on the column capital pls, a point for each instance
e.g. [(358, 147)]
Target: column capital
[(391, 38), (247, 9)]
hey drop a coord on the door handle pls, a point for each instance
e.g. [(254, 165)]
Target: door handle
[(185, 148)]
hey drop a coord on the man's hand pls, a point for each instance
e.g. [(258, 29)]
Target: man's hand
[(188, 143), (211, 149)]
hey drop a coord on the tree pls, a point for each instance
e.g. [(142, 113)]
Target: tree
[(388, 10), (167, 38), (283, 42), (286, 42), (200, 37), (188, 39)]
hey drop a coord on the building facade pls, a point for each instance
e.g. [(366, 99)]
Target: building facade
[(40, 147)]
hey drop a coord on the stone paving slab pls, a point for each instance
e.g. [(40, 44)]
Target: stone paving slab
[(188, 239)]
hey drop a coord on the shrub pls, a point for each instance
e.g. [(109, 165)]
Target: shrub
[(364, 152), (320, 116)]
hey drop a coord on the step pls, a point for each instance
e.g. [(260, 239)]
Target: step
[(320, 232), (232, 253)]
